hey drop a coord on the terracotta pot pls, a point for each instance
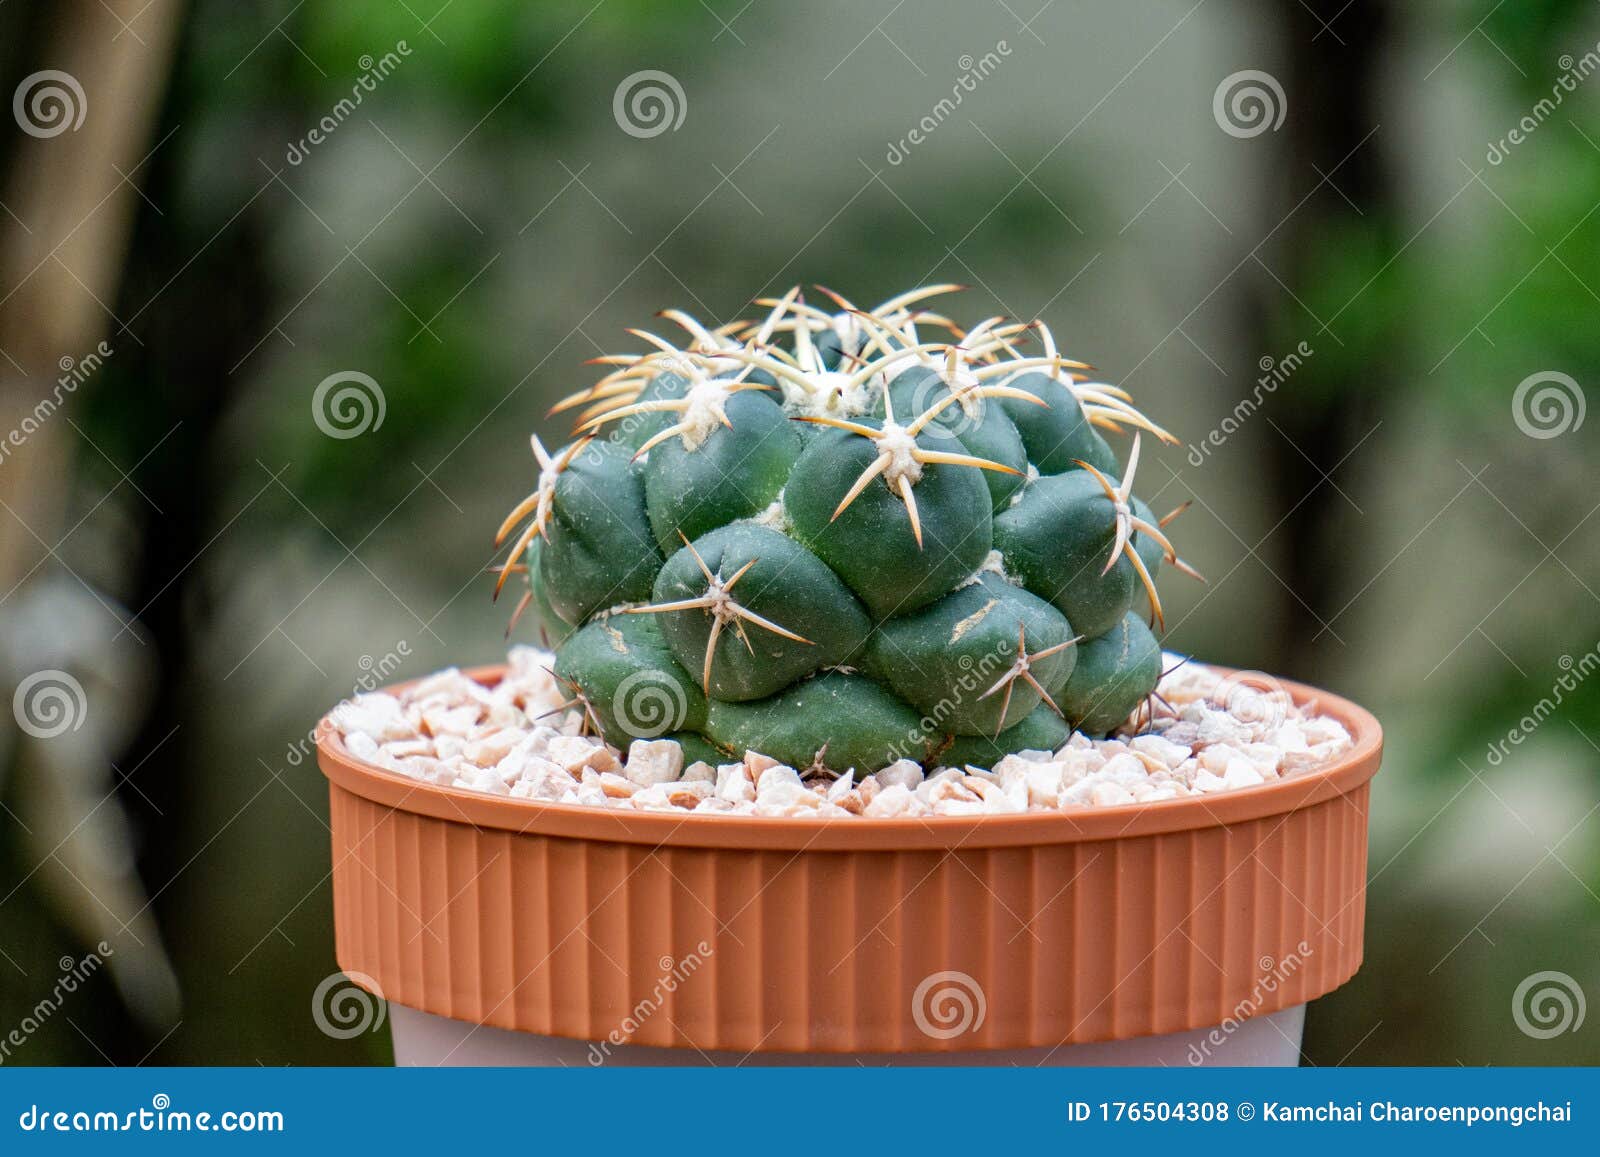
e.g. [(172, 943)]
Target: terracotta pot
[(1178, 927)]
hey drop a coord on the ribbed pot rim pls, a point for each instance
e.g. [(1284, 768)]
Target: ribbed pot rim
[(689, 829)]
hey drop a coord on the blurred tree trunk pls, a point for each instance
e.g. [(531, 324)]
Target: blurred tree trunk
[(84, 122), (196, 361), (1334, 52), (69, 210)]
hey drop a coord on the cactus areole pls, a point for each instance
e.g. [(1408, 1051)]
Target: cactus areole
[(844, 537)]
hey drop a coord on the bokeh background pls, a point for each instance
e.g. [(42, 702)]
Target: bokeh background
[(1394, 520)]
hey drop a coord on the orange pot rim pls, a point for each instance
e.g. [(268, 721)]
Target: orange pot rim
[(688, 829)]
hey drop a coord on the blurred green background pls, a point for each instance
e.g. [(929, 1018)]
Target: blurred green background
[(217, 571)]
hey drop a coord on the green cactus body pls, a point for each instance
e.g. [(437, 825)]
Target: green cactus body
[(1056, 435), (1057, 539), (837, 719), (853, 545), (733, 471), (954, 660), (698, 749), (981, 424), (1040, 730), (765, 580), (547, 626), (629, 680), (599, 547), (640, 428), (1115, 672), (872, 543)]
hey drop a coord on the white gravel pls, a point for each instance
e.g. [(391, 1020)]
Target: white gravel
[(1219, 734)]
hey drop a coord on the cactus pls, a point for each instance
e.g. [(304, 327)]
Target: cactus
[(839, 541)]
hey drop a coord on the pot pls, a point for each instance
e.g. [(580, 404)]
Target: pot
[(1188, 931)]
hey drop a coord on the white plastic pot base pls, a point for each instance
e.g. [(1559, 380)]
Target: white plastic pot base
[(421, 1038)]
